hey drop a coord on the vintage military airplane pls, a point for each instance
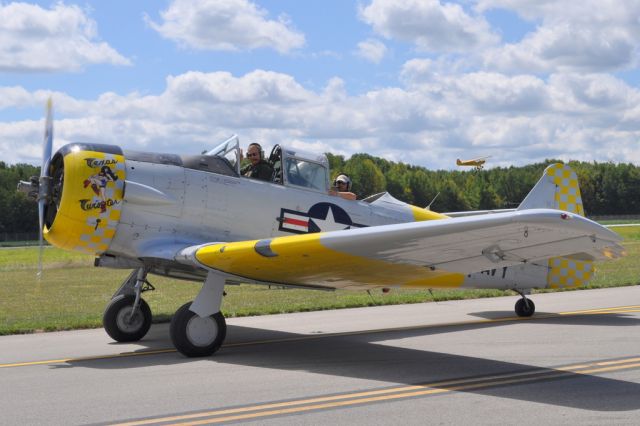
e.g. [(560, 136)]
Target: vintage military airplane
[(194, 217), (476, 163)]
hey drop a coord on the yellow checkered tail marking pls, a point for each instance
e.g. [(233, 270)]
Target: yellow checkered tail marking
[(567, 196), (564, 272), (569, 273)]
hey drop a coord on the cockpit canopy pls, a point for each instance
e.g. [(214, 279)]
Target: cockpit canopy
[(230, 150), (304, 170), (291, 167)]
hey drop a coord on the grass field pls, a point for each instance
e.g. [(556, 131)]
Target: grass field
[(72, 293)]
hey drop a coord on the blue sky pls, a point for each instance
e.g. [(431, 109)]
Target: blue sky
[(418, 81)]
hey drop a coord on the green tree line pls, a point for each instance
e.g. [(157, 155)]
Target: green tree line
[(17, 213), (607, 188)]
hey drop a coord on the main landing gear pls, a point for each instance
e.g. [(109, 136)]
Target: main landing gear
[(198, 328), (195, 336), (524, 307), (127, 317)]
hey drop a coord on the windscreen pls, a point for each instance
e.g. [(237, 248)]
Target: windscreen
[(306, 174)]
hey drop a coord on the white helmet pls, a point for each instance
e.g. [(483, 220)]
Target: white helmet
[(343, 178)]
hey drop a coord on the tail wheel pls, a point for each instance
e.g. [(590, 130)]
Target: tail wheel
[(525, 307), (194, 336), (121, 325)]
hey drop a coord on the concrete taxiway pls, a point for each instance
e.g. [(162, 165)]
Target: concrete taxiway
[(576, 361)]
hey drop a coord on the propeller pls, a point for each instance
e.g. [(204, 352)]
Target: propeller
[(45, 180)]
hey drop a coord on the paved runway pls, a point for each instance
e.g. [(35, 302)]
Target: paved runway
[(471, 362)]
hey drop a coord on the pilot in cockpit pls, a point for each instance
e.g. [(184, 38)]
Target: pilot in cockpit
[(258, 167)]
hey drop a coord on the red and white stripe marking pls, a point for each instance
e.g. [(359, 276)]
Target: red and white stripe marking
[(295, 222)]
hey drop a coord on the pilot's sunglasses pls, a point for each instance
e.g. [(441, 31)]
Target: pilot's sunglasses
[(249, 154)]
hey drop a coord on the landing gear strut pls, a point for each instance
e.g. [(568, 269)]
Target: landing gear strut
[(127, 317), (524, 307)]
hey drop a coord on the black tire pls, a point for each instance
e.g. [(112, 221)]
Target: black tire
[(116, 315), (522, 310), (194, 336)]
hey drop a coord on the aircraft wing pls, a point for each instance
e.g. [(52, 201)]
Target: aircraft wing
[(433, 253)]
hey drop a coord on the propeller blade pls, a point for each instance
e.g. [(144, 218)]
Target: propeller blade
[(41, 242), (44, 188), (47, 143)]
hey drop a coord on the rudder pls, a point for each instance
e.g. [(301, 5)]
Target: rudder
[(557, 189)]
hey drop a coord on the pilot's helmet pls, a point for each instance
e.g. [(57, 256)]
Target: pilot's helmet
[(345, 179)]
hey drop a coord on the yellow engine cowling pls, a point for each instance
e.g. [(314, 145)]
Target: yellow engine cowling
[(87, 196)]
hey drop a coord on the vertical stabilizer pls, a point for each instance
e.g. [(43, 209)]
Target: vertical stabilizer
[(557, 189)]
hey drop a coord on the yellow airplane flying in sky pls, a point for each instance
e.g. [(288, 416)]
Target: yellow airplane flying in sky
[(478, 163)]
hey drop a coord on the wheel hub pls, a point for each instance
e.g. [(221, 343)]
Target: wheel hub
[(202, 331), (127, 322)]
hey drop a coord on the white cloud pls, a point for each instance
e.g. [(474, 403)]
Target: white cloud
[(335, 90), (567, 47), (585, 36), (430, 121), (491, 92), (596, 93), (429, 24), (14, 97), (21, 141), (372, 50), (225, 25), (418, 71), (561, 10), (221, 87), (485, 92), (62, 38)]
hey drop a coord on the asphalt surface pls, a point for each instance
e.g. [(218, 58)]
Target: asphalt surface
[(461, 362)]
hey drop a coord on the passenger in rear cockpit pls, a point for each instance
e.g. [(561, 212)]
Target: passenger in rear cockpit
[(342, 187)]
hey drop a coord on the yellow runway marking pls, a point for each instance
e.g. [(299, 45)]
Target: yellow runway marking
[(381, 395), (587, 311), (88, 358), (602, 311)]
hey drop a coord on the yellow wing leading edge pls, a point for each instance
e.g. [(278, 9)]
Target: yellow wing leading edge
[(304, 260)]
